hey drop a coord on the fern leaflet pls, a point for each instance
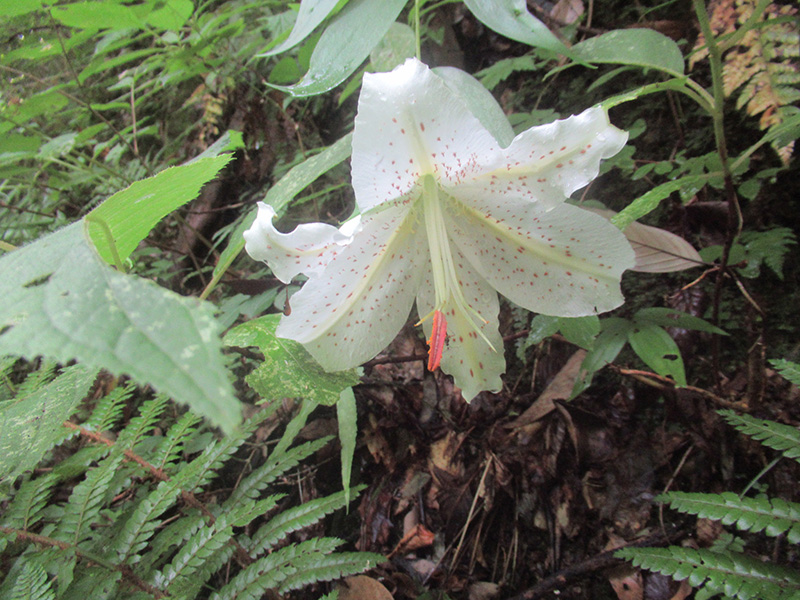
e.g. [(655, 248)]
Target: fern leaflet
[(32, 584), (85, 502), (789, 370), (26, 508), (296, 518), (774, 516), (735, 575), (774, 435)]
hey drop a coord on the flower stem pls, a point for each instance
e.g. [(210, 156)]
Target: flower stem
[(417, 7)]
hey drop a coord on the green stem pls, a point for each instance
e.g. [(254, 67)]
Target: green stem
[(417, 7)]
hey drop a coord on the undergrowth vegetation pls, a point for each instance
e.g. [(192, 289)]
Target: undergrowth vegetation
[(159, 439)]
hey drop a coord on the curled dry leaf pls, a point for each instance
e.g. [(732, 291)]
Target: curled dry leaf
[(657, 250), (362, 587)]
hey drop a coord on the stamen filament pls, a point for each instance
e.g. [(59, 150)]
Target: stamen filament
[(446, 284)]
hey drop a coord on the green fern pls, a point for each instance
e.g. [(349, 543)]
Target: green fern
[(720, 570), (777, 436), (134, 526), (33, 584), (788, 369), (773, 516), (732, 574)]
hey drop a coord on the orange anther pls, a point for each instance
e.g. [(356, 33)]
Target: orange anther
[(437, 340)]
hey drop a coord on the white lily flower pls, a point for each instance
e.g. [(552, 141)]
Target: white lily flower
[(448, 219)]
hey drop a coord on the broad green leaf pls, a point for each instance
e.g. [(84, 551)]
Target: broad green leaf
[(639, 46), (125, 219), (14, 8), (166, 14), (669, 317), (649, 201), (613, 337), (97, 15), (580, 331), (658, 350), (279, 195), (28, 425), (288, 370), (311, 14), (345, 44), (347, 415), (396, 46), (58, 146), (62, 301), (480, 102), (512, 19)]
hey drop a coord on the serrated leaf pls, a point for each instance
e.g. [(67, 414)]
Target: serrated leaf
[(641, 47), (30, 425), (288, 370), (658, 350), (778, 436), (62, 301), (345, 44), (130, 214), (512, 19)]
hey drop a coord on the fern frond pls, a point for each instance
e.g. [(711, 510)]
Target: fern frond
[(204, 468), (329, 567), (196, 551), (140, 426), (788, 370), (732, 574), (139, 527), (108, 411), (176, 439), (85, 501), (32, 584), (774, 435), (172, 536), (334, 595), (26, 507), (270, 571), (296, 518), (36, 380), (275, 466), (773, 516)]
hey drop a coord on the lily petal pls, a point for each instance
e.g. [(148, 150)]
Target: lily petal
[(307, 249), (410, 124), (565, 262), (546, 164), (474, 365), (358, 304)]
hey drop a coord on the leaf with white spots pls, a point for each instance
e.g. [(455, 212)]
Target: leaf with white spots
[(287, 371), (28, 425), (62, 301)]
